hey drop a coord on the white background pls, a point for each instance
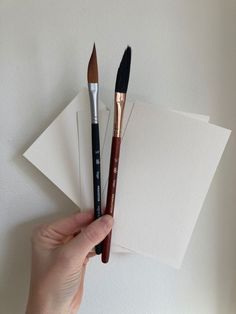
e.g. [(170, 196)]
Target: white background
[(184, 57)]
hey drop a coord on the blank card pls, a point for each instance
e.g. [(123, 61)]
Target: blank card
[(56, 151), (166, 166)]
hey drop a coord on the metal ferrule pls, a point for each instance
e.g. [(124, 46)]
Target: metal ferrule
[(93, 95), (118, 113)]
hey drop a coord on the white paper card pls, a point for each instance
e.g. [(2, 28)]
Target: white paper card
[(56, 151), (166, 166)]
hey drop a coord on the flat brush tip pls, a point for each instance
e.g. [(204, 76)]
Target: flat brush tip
[(122, 78), (128, 48), (92, 74)]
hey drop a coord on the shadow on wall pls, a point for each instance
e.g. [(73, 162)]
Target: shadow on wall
[(16, 270), (15, 275), (227, 181)]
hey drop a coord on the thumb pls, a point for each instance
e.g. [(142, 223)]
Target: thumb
[(90, 236)]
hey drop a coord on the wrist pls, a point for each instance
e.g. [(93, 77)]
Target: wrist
[(40, 304), (35, 308)]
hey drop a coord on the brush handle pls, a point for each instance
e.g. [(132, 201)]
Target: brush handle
[(96, 177), (111, 193)]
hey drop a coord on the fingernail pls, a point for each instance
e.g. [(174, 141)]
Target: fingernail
[(107, 220)]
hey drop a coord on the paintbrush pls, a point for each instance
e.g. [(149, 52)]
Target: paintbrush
[(122, 80), (93, 95)]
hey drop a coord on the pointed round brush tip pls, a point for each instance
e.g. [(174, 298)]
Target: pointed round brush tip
[(94, 53), (94, 48), (92, 73)]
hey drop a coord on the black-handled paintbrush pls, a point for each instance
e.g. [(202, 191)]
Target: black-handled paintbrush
[(93, 94)]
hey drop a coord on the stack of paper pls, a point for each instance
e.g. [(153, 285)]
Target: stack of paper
[(168, 160)]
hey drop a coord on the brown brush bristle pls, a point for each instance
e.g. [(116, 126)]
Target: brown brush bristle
[(93, 67)]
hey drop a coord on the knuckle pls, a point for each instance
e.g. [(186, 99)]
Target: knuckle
[(40, 231), (91, 234)]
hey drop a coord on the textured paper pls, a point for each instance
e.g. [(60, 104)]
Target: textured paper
[(166, 166), (56, 151)]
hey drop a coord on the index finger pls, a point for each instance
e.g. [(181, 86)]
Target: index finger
[(71, 224)]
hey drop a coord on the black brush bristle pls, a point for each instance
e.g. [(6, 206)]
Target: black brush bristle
[(122, 78)]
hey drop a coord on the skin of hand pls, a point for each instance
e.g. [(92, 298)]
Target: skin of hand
[(60, 252)]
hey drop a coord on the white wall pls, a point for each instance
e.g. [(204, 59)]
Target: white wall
[(184, 55)]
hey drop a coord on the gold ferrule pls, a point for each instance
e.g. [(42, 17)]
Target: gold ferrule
[(118, 113)]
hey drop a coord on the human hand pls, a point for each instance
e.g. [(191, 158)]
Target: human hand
[(60, 252)]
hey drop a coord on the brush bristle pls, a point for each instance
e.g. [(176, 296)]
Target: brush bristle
[(93, 67), (122, 78)]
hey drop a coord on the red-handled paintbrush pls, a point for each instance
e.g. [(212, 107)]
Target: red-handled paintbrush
[(122, 81)]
